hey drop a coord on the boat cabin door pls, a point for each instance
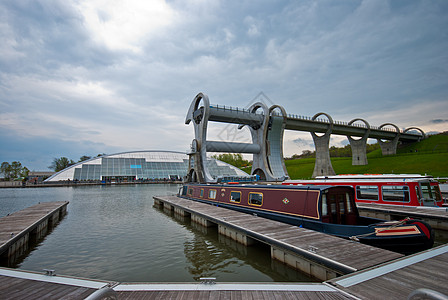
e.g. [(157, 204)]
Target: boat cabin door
[(427, 195), (338, 208)]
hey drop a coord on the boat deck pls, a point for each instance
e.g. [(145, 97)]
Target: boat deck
[(437, 217)]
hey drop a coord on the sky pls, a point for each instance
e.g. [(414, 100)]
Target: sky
[(107, 76)]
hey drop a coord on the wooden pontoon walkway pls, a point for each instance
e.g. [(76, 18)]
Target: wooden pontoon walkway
[(398, 279), (19, 228), (393, 280), (317, 254), (15, 284)]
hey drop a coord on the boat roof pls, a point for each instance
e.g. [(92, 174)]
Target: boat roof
[(269, 186), (367, 178), (378, 176)]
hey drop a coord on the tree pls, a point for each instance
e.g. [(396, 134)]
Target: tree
[(235, 159), (5, 169), (13, 170), (61, 163), (84, 158)]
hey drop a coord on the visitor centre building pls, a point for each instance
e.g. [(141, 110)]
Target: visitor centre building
[(139, 166)]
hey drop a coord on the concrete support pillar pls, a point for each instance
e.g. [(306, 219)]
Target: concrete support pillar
[(323, 166), (389, 147), (359, 147)]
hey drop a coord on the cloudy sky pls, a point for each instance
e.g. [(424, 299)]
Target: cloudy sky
[(105, 76)]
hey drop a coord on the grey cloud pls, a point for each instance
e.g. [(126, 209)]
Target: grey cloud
[(344, 58), (439, 121)]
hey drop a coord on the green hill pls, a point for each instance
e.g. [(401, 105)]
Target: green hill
[(429, 156)]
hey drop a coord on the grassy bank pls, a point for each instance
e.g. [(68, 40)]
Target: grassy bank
[(435, 164), (429, 156)]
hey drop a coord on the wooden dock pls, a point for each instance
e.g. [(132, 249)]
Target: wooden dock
[(16, 284), (437, 217), (393, 280), (398, 279), (22, 228), (317, 254)]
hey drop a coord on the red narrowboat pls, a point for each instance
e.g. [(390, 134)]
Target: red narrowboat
[(400, 189), (327, 209)]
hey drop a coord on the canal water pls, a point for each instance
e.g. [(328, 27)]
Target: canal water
[(116, 233)]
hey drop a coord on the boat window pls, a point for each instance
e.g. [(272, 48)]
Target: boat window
[(333, 208), (212, 194), (426, 190), (436, 192), (347, 199), (324, 205), (341, 204), (398, 193), (184, 190), (430, 192), (235, 197), (417, 192), (190, 192), (256, 199), (367, 192), (202, 193)]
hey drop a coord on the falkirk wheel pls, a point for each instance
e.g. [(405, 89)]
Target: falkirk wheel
[(267, 125), (266, 132)]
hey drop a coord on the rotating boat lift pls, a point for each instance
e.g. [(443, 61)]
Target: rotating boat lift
[(267, 138), (267, 126)]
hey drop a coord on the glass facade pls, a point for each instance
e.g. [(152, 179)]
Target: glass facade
[(144, 165)]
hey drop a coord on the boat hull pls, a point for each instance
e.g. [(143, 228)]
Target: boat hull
[(406, 236)]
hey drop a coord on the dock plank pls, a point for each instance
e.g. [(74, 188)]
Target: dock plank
[(399, 279), (234, 295), (17, 288)]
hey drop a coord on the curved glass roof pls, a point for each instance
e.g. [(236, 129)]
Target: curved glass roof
[(139, 165)]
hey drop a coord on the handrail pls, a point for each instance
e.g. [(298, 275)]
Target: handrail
[(293, 116)]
